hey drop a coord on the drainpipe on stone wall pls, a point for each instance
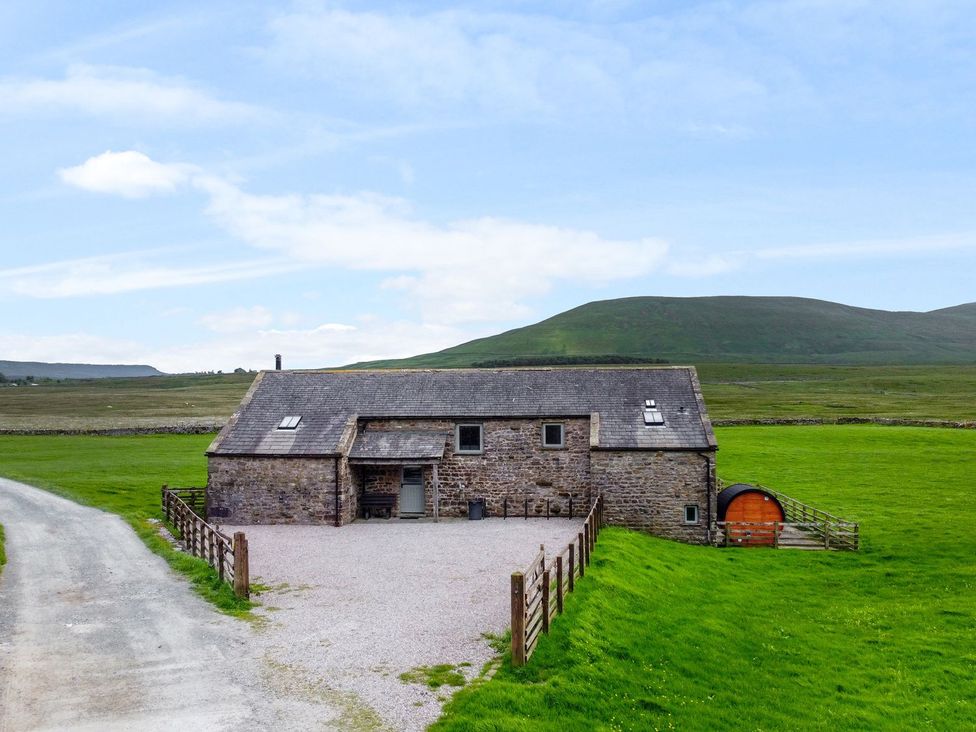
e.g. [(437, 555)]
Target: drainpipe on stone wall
[(708, 498), (338, 521)]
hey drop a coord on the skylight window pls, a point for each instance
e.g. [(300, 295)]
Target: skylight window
[(652, 415), (289, 423)]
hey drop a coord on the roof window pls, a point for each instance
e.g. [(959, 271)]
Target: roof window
[(289, 423), (652, 415)]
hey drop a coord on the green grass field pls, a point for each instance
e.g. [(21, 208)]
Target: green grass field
[(122, 475), (662, 635), (732, 391), (665, 636)]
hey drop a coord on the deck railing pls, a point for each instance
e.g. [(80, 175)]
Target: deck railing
[(832, 531), (539, 593), (228, 556)]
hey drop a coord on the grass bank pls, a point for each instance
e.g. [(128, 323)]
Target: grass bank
[(660, 635), (122, 475)]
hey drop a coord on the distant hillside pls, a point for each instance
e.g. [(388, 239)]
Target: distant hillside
[(725, 329), (39, 370)]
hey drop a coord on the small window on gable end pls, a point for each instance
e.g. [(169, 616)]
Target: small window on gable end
[(289, 423), (691, 514), (553, 435), (468, 439)]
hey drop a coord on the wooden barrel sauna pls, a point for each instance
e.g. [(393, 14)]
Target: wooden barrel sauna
[(741, 506)]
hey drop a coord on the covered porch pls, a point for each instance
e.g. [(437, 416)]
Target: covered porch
[(395, 473)]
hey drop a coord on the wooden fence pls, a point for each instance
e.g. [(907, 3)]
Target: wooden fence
[(805, 526), (539, 593), (183, 508), (836, 532)]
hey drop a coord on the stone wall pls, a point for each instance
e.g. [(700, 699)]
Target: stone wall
[(271, 490), (648, 491), (513, 465)]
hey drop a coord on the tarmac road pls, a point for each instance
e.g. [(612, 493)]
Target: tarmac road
[(97, 633)]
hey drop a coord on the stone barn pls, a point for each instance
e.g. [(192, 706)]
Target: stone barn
[(315, 446)]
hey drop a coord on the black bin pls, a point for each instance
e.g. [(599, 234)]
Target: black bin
[(476, 509)]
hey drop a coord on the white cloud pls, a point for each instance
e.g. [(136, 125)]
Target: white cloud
[(130, 272), (118, 94), (131, 174), (479, 269), (870, 248), (330, 344)]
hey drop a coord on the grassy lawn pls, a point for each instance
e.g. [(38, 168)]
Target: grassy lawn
[(660, 635), (732, 391), (122, 475)]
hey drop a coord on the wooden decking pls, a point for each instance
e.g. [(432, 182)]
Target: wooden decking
[(805, 528)]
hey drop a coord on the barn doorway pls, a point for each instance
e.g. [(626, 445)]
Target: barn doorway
[(412, 491)]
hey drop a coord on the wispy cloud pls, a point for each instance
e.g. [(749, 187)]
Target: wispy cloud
[(869, 249), (122, 93), (130, 272), (328, 344)]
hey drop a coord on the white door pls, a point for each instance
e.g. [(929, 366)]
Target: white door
[(412, 492)]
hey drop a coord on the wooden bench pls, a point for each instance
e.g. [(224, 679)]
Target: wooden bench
[(372, 503)]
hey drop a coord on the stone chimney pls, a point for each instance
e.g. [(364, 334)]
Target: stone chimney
[(277, 362)]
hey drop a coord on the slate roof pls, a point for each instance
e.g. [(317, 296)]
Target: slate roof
[(398, 445), (327, 400)]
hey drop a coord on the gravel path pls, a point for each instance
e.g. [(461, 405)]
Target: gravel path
[(97, 633)]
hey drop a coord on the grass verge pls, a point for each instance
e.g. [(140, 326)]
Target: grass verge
[(3, 554), (123, 475), (661, 635)]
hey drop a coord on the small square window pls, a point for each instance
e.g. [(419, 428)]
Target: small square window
[(552, 435), (289, 423), (691, 514), (468, 439)]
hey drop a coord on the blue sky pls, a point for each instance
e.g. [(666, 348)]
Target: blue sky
[(201, 185)]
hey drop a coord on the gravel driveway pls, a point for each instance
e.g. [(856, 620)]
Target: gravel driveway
[(97, 633), (357, 606)]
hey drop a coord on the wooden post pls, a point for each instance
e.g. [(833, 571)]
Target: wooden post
[(587, 536), (437, 492), (582, 555), (221, 559), (545, 601), (572, 567), (162, 496), (195, 547), (776, 526), (559, 584), (518, 619), (241, 584), (826, 534)]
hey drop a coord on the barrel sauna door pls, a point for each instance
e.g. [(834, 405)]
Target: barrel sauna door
[(753, 507)]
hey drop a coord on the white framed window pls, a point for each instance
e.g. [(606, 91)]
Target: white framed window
[(553, 435), (468, 439), (691, 514), (289, 423)]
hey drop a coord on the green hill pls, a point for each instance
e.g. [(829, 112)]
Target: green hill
[(722, 329), (40, 370)]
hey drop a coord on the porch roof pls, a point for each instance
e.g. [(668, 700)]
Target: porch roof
[(398, 445)]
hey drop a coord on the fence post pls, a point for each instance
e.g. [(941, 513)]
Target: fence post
[(572, 568), (221, 559), (587, 537), (545, 601), (559, 584), (241, 584), (518, 619), (582, 555), (776, 526), (195, 539), (162, 497), (826, 534)]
